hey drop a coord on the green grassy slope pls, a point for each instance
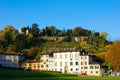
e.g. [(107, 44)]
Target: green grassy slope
[(58, 46), (10, 74)]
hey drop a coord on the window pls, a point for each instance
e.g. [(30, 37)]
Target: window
[(85, 67), (71, 69), (55, 63), (96, 71), (29, 64), (81, 57), (55, 69), (85, 57), (41, 66), (96, 67), (55, 56), (60, 63), (81, 63), (76, 69), (76, 56), (91, 72), (76, 63), (38, 65), (25, 65), (91, 67), (60, 56), (71, 56), (81, 67), (65, 63), (61, 70), (65, 55), (71, 63), (46, 60), (46, 65), (15, 60), (85, 63)]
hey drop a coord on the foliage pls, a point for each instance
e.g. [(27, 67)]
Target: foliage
[(113, 55), (101, 56), (31, 37), (33, 52)]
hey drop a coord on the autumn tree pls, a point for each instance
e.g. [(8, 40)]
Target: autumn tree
[(113, 55), (33, 52), (79, 31), (101, 56)]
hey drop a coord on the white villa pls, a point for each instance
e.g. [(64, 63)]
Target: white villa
[(11, 59), (73, 63)]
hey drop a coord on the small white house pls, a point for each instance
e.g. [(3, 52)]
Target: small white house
[(11, 59)]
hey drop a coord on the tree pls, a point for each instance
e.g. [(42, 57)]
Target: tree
[(33, 52), (104, 35), (69, 32), (35, 29), (47, 31), (101, 56), (79, 31), (52, 30), (113, 55)]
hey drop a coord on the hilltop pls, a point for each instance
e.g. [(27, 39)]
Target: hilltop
[(34, 41)]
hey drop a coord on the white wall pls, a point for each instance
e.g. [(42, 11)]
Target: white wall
[(59, 60)]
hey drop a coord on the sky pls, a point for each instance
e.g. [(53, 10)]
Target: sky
[(98, 15)]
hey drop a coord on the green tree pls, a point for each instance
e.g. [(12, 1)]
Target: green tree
[(35, 29), (33, 52), (52, 30)]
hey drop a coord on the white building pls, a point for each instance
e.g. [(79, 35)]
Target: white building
[(73, 63), (11, 59), (44, 62)]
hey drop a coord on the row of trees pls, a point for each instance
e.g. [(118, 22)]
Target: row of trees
[(53, 31)]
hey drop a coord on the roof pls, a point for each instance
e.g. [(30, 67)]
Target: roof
[(30, 61), (10, 53)]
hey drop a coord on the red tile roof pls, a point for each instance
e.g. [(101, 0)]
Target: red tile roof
[(10, 53)]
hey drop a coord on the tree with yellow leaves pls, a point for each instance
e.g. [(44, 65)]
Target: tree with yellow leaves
[(113, 55)]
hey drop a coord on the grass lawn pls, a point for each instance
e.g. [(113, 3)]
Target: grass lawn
[(10, 74)]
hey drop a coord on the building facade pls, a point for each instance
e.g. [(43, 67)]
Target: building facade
[(44, 62), (73, 63), (30, 64), (11, 59)]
